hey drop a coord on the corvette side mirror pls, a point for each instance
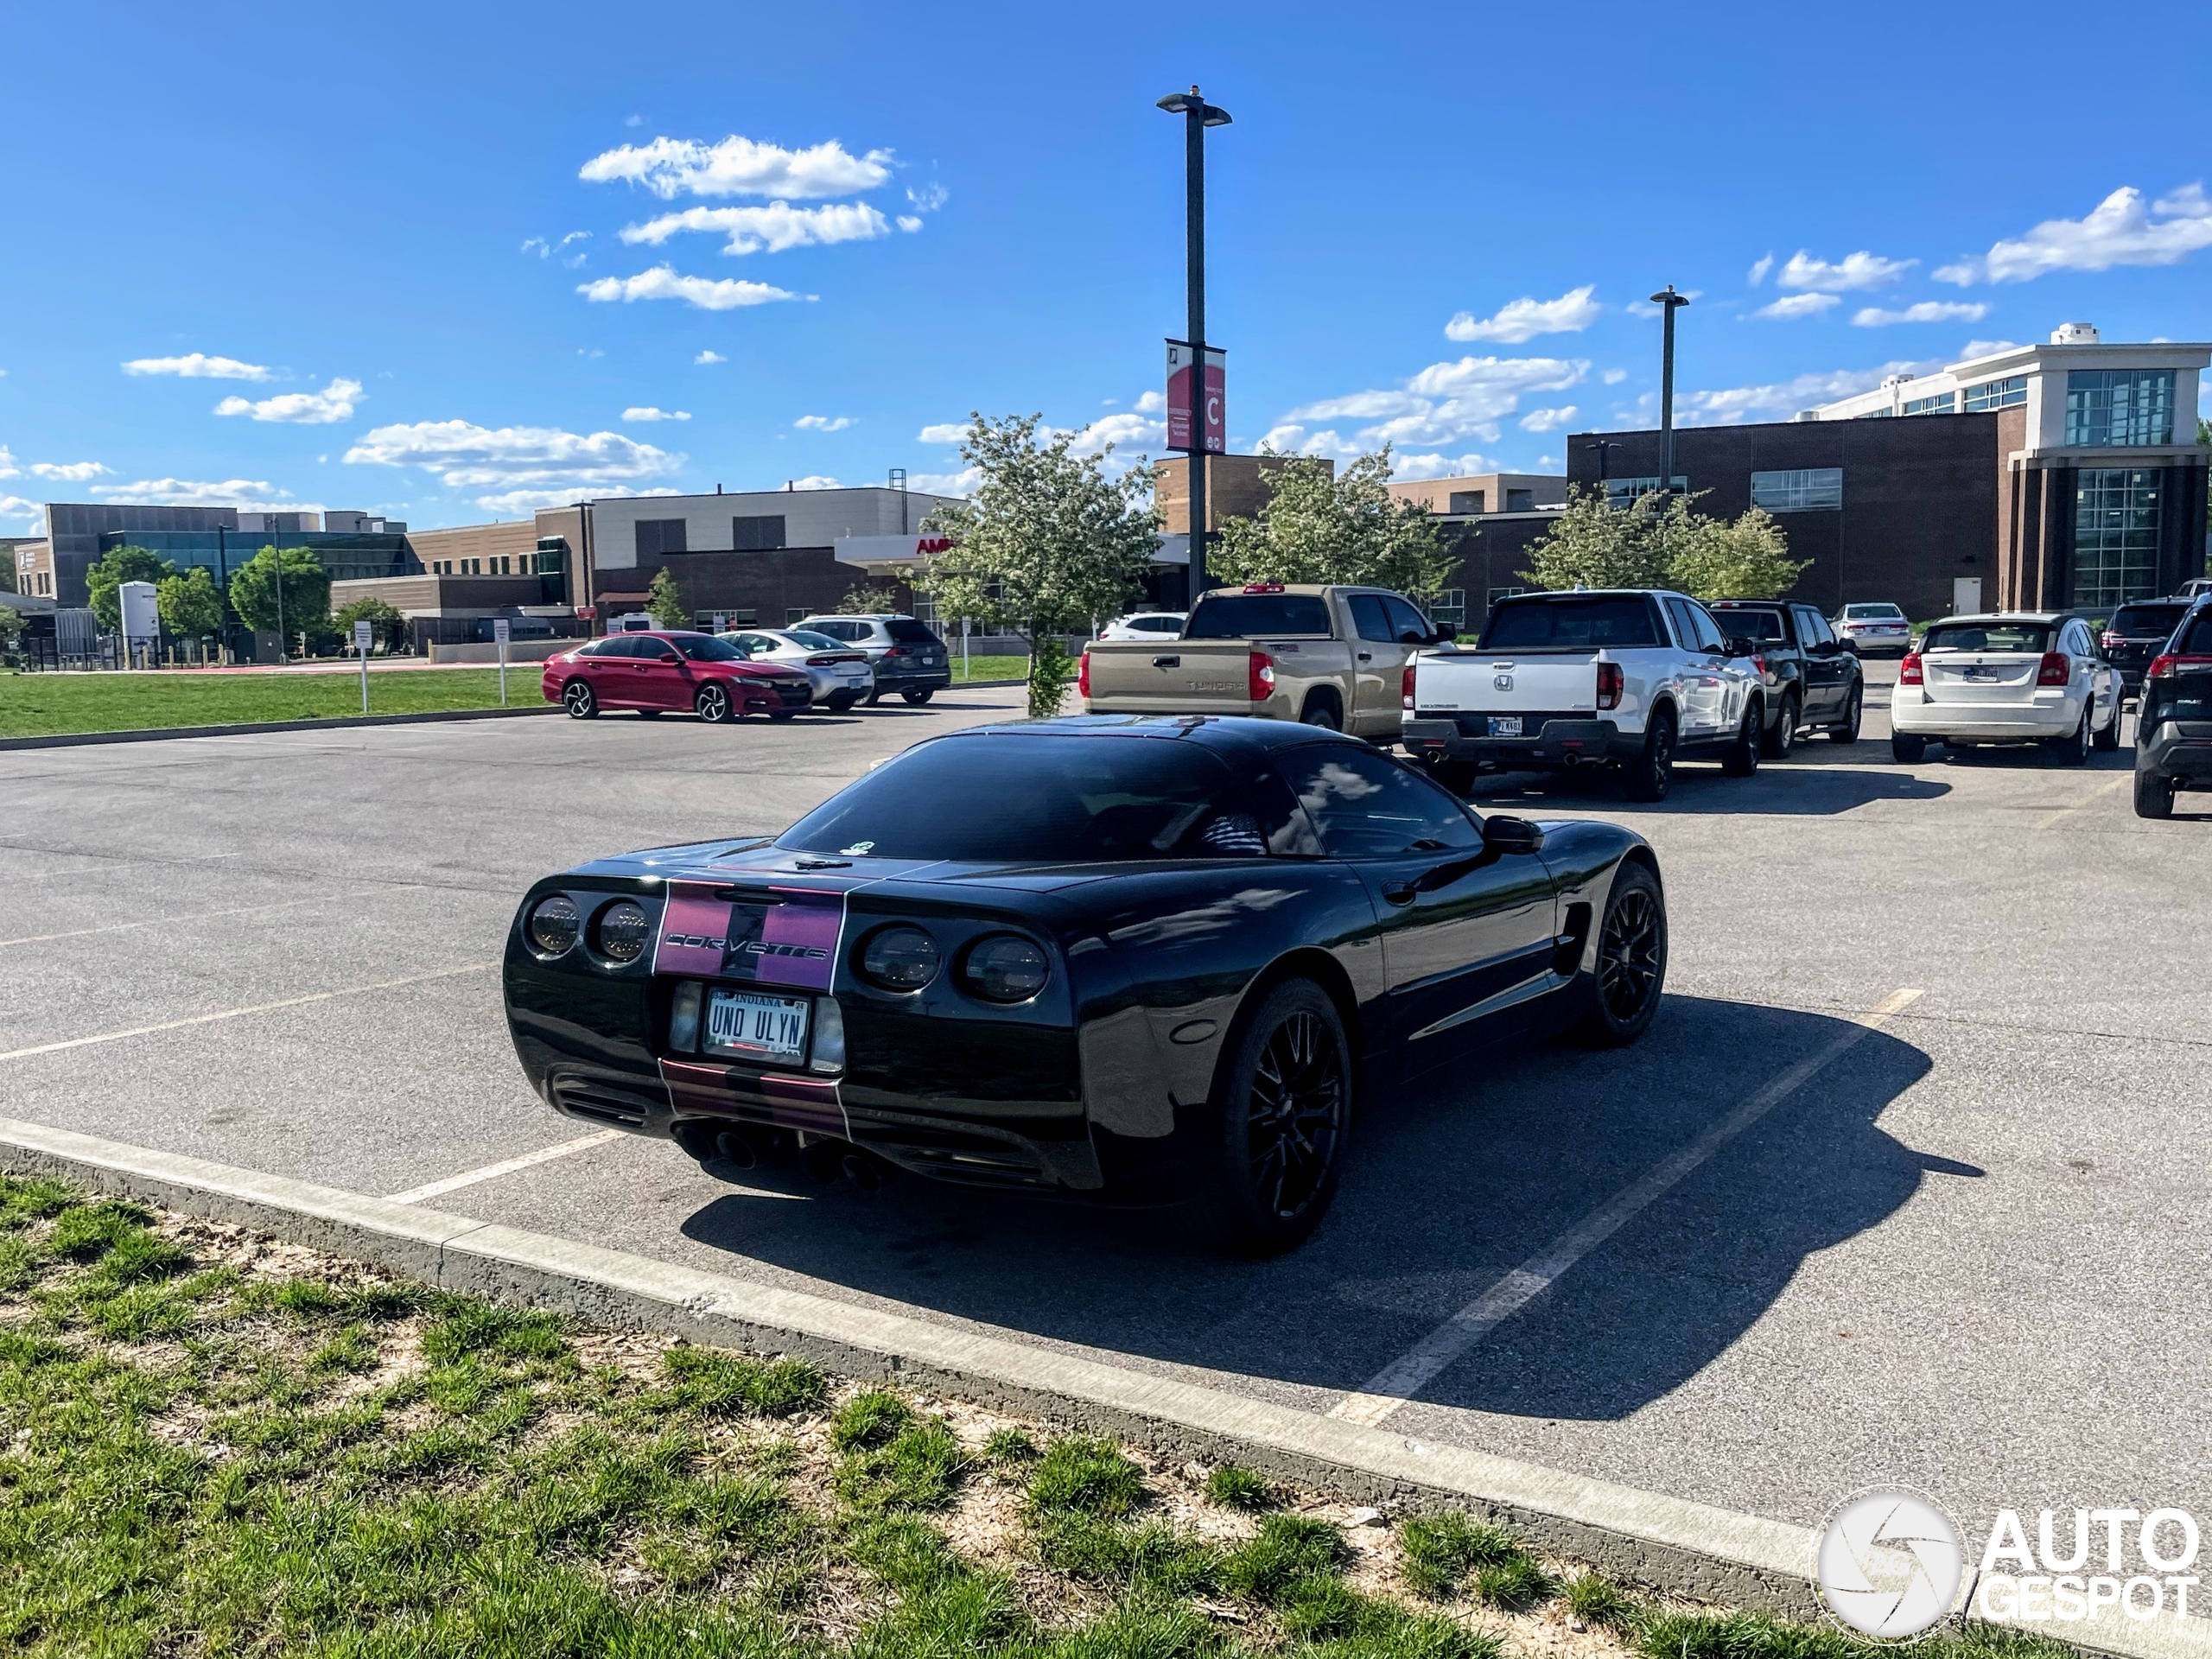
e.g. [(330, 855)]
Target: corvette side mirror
[(1505, 835)]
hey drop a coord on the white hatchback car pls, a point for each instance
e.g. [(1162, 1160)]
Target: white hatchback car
[(2018, 677), (840, 675), (1146, 624)]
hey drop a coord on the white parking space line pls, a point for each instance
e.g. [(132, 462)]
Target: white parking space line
[(2096, 794), (238, 1014), (158, 921), (1412, 1370), (493, 1172)]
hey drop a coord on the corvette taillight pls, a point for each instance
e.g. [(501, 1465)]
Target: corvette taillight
[(1082, 676), (1260, 676), (1908, 670), (1406, 686), (2057, 669), (1610, 680)]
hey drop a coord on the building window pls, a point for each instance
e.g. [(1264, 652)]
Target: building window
[(1877, 415), (757, 535), (1448, 609), (1808, 489), (1619, 491), (794, 616), (2115, 536), (1496, 594), (1997, 394), (1520, 500), (657, 536), (1942, 402), (1466, 501), (2113, 408)]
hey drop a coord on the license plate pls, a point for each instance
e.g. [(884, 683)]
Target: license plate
[(1505, 725), (1978, 673), (931, 661), (755, 1027)]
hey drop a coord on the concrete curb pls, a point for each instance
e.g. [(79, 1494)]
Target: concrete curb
[(162, 734), (1685, 1548)]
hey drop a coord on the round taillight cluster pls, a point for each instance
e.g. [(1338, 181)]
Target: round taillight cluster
[(1002, 968)]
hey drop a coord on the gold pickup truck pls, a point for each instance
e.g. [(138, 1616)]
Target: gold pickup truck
[(1327, 656)]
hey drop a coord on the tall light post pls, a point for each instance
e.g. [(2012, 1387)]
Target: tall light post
[(1197, 115), (1604, 448), (1669, 303)]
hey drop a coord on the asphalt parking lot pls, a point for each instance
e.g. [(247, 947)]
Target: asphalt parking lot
[(1970, 1250)]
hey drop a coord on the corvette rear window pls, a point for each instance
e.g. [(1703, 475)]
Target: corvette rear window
[(1569, 623), (1239, 616), (1988, 636), (1016, 799)]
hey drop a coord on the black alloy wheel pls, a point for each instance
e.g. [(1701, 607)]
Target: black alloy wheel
[(1279, 1130), (713, 703), (1651, 775), (580, 701), (1854, 712), (1632, 960), (1741, 758), (1782, 737)]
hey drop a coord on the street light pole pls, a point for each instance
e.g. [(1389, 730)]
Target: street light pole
[(1197, 115), (1604, 448), (1669, 303)]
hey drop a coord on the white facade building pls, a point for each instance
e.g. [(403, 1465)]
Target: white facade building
[(627, 531)]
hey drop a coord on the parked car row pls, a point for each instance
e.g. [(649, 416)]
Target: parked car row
[(824, 662)]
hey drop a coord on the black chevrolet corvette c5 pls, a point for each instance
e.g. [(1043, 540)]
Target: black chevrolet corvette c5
[(1137, 960)]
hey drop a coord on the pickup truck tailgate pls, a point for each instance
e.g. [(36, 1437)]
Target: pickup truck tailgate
[(1461, 683), (1173, 677)]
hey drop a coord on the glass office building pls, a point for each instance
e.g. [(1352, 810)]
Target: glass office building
[(348, 556)]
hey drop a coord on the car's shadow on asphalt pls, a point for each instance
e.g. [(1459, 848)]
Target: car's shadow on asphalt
[(1783, 789), (1453, 1183)]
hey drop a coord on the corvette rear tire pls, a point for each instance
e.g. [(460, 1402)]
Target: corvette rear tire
[(1622, 995), (580, 701), (714, 704), (1274, 1140)]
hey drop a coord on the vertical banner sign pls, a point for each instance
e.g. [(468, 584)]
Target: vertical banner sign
[(1196, 407), (501, 630), (362, 634)]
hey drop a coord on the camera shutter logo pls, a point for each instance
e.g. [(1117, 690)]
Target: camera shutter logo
[(1888, 1563)]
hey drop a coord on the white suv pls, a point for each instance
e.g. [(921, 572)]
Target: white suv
[(2015, 676)]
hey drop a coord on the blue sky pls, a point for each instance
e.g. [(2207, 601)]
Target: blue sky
[(391, 243)]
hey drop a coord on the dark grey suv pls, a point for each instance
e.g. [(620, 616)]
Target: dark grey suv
[(906, 657)]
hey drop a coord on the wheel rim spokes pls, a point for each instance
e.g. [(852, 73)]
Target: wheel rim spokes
[(1295, 1114), (1628, 956)]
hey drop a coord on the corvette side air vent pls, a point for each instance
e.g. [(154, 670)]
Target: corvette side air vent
[(608, 1103)]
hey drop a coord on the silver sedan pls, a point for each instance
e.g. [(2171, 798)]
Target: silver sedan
[(839, 673)]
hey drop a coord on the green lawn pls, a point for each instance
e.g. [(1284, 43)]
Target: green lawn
[(989, 668), (208, 1448), (48, 705)]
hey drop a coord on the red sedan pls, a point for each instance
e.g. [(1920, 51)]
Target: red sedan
[(672, 672)]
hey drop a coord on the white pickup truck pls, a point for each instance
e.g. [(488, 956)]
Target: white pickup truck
[(1629, 678)]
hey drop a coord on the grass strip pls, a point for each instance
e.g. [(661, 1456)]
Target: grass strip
[(57, 705)]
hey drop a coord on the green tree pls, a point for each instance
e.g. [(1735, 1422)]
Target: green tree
[(306, 591), (1663, 541), (1748, 558), (1047, 544), (1595, 544), (1344, 528), (869, 601), (190, 605), (389, 626), (11, 626), (665, 601), (116, 566)]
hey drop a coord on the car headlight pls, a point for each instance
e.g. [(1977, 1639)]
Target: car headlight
[(621, 929), (1005, 968), (554, 924), (900, 959)]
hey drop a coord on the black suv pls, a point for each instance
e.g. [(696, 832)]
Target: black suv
[(906, 657), (1813, 679), (2173, 722), (2138, 631)]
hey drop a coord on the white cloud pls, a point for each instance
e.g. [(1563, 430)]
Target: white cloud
[(253, 494), (198, 365), (1151, 402), (1921, 311), (521, 501), (1446, 402), (709, 357), (1417, 468), (537, 244), (966, 481), (943, 432), (1547, 420), (1524, 319), (908, 222), (1856, 271), (1759, 268), (931, 197), (334, 403), (8, 467), (776, 227), (634, 120), (1614, 377), (14, 506), (1736, 403), (740, 167), (648, 412), (464, 455), (663, 283), (1126, 430), (1790, 307), (75, 472), (823, 422), (817, 481), (2118, 231), (1986, 348)]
